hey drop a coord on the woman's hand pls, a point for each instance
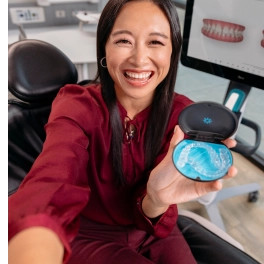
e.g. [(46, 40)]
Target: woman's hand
[(38, 245), (167, 186)]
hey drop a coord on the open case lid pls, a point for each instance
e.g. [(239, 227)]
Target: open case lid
[(208, 121)]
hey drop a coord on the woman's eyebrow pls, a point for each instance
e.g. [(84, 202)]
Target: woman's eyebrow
[(159, 34), (119, 32)]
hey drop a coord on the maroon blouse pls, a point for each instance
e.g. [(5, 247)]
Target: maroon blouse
[(73, 176)]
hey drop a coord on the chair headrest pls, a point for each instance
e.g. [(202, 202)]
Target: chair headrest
[(37, 70)]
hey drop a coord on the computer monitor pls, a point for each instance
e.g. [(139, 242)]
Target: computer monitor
[(225, 38)]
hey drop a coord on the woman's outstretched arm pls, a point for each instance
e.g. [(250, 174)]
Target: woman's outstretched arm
[(38, 245)]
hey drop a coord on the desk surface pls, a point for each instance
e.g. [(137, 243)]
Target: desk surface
[(79, 45)]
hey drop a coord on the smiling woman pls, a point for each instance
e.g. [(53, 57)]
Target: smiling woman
[(156, 37), (104, 188), (138, 57)]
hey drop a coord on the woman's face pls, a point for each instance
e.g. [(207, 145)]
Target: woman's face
[(138, 52)]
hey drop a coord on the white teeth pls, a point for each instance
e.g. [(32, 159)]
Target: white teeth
[(218, 29), (134, 75), (225, 31)]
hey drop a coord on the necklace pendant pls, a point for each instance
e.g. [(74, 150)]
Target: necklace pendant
[(130, 130)]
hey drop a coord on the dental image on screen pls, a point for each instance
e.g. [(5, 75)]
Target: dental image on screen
[(229, 33)]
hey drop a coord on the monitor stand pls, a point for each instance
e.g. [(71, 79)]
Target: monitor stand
[(235, 99)]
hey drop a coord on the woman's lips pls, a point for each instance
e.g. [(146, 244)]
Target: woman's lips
[(138, 78), (222, 31)]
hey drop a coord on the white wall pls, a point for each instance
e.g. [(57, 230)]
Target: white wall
[(21, 1), (34, 1)]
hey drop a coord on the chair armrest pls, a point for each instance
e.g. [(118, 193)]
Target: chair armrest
[(211, 227)]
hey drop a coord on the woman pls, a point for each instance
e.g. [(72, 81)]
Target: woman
[(104, 189)]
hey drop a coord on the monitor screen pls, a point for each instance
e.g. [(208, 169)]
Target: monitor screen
[(225, 38)]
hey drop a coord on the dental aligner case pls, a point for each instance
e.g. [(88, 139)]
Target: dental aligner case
[(202, 156)]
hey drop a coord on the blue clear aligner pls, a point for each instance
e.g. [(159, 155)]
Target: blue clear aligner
[(203, 161)]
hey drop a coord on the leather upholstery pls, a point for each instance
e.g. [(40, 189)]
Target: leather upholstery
[(207, 247), (25, 138), (36, 72)]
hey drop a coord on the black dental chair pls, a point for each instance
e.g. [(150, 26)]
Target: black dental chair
[(36, 72)]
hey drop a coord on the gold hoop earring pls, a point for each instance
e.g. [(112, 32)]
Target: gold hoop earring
[(101, 62)]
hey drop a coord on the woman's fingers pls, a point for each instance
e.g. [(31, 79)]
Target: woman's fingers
[(218, 184), (232, 172), (229, 142), (206, 187), (177, 136)]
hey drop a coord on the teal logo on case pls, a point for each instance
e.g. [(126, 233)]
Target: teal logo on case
[(207, 120)]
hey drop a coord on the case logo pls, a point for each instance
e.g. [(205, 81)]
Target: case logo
[(207, 120)]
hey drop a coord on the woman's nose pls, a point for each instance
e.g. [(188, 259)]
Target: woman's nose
[(139, 55)]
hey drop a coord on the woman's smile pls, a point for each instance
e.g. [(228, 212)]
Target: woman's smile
[(136, 78)]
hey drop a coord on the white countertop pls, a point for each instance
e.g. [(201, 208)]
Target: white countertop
[(79, 45)]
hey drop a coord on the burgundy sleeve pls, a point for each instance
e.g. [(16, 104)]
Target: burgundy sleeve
[(55, 190), (162, 226)]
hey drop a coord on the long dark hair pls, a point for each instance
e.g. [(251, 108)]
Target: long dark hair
[(163, 96)]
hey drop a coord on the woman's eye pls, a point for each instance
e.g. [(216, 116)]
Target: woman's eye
[(156, 42), (122, 42)]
